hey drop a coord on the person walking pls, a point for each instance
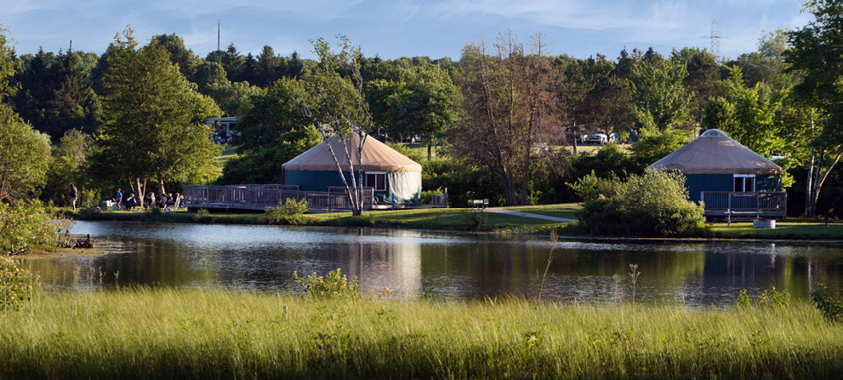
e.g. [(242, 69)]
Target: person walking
[(119, 198), (74, 194)]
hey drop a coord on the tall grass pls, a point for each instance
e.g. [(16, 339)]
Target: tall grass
[(193, 333)]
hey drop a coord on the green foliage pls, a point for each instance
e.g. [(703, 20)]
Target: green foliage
[(154, 119), (24, 153), (427, 105), (202, 215), (287, 212), (405, 150), (16, 284), (475, 220), (660, 100), (24, 225), (427, 195), (57, 95), (334, 285), (653, 204), (268, 115), (264, 164), (653, 145), (70, 159), (830, 306), (767, 299), (745, 117)]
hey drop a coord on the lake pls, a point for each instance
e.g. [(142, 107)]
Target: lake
[(438, 265)]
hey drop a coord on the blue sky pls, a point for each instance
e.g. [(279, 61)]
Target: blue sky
[(399, 28)]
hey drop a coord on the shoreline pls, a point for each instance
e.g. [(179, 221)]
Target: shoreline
[(503, 225)]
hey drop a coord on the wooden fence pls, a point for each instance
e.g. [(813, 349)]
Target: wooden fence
[(259, 197)]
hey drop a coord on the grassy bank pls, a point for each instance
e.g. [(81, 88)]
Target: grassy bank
[(203, 334), (435, 219)]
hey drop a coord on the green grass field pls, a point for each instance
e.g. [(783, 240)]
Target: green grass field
[(565, 210), (437, 219), (227, 154), (203, 334)]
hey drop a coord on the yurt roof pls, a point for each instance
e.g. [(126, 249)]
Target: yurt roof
[(714, 152), (376, 157)]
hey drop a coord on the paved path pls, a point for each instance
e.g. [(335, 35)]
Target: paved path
[(498, 210)]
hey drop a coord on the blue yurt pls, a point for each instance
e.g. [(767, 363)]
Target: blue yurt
[(715, 162), (385, 170)]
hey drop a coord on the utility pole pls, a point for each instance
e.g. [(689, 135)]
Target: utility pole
[(218, 34)]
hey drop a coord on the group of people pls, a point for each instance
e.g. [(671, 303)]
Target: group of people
[(168, 203)]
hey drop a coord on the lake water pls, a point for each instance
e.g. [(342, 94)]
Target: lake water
[(439, 265)]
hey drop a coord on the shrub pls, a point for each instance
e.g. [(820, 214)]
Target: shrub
[(830, 306), (653, 204), (289, 212), (202, 215), (23, 225), (427, 196), (333, 286), (475, 220), (16, 284)]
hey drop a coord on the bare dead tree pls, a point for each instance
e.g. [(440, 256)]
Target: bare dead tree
[(510, 108)]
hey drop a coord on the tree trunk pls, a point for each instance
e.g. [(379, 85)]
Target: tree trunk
[(525, 174), (809, 187), (819, 184), (161, 191), (429, 150), (508, 187)]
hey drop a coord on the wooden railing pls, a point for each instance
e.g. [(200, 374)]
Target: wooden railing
[(745, 203), (259, 197)]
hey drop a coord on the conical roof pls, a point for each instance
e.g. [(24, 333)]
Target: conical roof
[(376, 157), (714, 152)]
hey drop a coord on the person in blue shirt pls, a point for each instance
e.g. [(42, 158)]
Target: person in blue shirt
[(119, 198)]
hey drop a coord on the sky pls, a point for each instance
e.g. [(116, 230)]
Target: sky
[(401, 28)]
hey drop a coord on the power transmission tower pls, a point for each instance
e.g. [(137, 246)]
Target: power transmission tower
[(715, 39)]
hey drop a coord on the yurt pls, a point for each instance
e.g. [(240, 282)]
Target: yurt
[(715, 162), (390, 173)]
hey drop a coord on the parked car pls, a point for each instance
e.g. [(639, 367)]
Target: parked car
[(600, 138)]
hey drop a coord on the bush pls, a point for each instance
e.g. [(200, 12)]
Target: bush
[(16, 284), (23, 225), (334, 285), (427, 196), (289, 212), (476, 220), (202, 215), (653, 204), (830, 306)]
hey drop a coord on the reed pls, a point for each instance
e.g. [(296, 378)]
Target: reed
[(195, 333)]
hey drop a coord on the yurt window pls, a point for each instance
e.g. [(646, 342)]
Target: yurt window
[(376, 180), (744, 183)]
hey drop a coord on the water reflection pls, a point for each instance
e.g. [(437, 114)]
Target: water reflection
[(415, 264)]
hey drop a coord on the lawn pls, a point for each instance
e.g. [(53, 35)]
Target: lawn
[(565, 210), (228, 153), (438, 219), (784, 230), (204, 334)]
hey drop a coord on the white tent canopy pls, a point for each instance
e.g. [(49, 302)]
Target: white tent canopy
[(376, 157)]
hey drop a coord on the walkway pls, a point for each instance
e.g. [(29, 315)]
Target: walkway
[(498, 210)]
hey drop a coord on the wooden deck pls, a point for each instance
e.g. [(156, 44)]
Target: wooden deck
[(744, 205), (259, 197)]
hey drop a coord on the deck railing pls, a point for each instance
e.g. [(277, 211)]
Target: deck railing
[(259, 197), (762, 203)]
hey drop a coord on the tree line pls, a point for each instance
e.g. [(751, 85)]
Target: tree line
[(504, 119)]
